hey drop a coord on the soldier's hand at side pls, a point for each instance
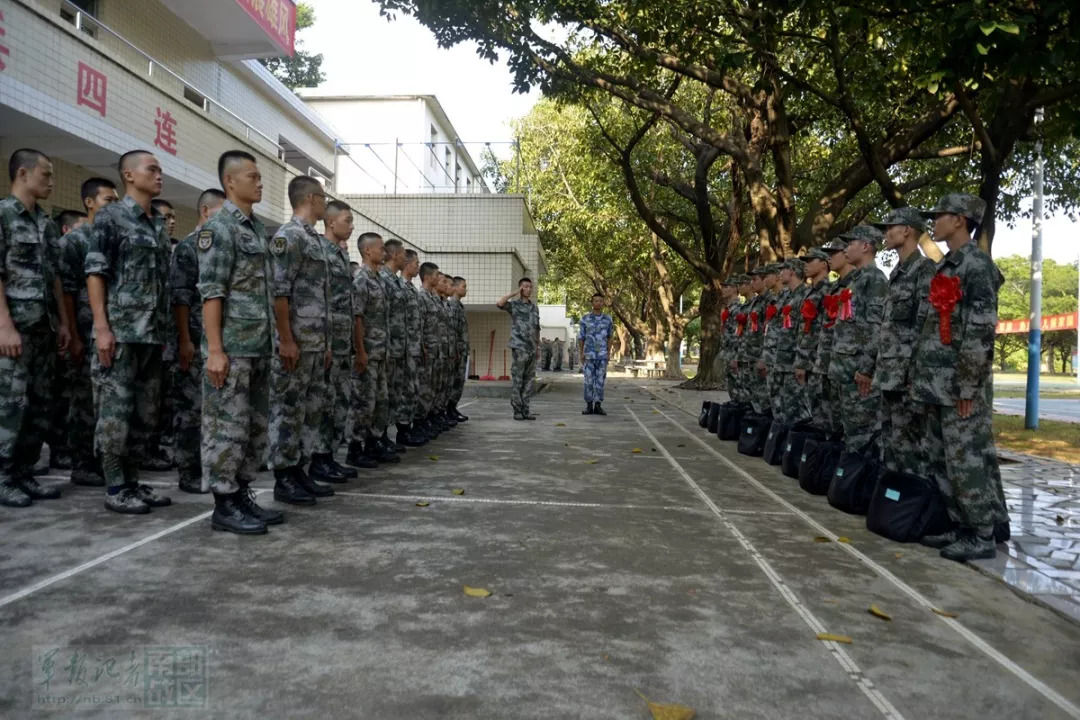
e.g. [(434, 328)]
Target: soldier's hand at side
[(734, 365), (77, 350), (290, 354), (964, 407), (328, 360), (106, 345), (762, 370), (10, 342), (185, 354), (800, 375), (361, 361), (63, 339), (217, 368), (863, 382)]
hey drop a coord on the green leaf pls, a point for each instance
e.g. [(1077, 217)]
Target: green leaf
[(1011, 28), (983, 49), (988, 27)]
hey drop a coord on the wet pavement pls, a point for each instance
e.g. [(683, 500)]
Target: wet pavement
[(626, 553)]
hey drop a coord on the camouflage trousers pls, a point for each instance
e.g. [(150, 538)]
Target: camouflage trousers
[(457, 379), (371, 407), (545, 358), (734, 383), (439, 377), (756, 387), (901, 433), (338, 396), (235, 419), (522, 379), (127, 395), (959, 454), (820, 402), (63, 383), (793, 405), (595, 375), (297, 406), (772, 387), (425, 393), (396, 389), (25, 389), (186, 392), (81, 419), (857, 414)]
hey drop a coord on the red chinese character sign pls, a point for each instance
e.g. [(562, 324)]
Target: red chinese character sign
[(1067, 321), (277, 18), (93, 88), (4, 51), (166, 131)]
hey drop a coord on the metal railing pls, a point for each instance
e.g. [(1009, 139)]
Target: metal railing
[(154, 69)]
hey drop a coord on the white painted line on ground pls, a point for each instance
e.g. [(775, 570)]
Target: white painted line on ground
[(1038, 685), (839, 654), (496, 501)]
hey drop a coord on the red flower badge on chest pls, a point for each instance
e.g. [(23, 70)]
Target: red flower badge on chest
[(832, 309), (846, 312), (740, 320), (809, 313), (753, 321), (944, 294), (770, 313), (724, 315), (786, 311)]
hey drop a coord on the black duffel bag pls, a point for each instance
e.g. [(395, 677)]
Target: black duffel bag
[(729, 422), (755, 428), (907, 507), (855, 478), (703, 418), (818, 463), (775, 442), (714, 417), (797, 438)]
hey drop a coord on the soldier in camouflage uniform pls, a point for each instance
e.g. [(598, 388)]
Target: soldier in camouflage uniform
[(188, 370), (733, 329), (595, 333), (524, 336), (753, 346), (461, 289), (160, 456), (811, 319), (127, 269), (85, 468), (300, 285), (572, 356), (371, 408), (855, 341), (777, 295), (793, 405), (951, 377), (234, 283), (545, 354), (33, 325), (414, 359), (430, 337), (557, 349), (397, 301), (339, 228), (449, 353), (901, 417)]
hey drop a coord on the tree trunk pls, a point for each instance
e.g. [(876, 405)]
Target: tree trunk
[(673, 361), (710, 340)]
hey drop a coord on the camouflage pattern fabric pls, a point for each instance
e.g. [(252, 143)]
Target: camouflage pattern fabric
[(414, 357), (81, 419), (557, 351), (792, 406), (30, 259), (751, 352), (127, 395), (301, 273), (397, 301), (901, 432), (235, 423), (370, 409), (25, 386), (545, 354), (341, 297), (449, 353), (595, 374), (298, 410), (595, 330), (430, 345), (339, 397), (522, 379), (899, 328), (186, 385), (461, 326), (524, 335), (572, 356), (370, 305)]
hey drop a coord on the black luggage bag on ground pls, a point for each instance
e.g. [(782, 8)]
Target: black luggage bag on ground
[(703, 418), (775, 442), (818, 463), (755, 428), (729, 421), (794, 447), (714, 417), (855, 478), (907, 507)]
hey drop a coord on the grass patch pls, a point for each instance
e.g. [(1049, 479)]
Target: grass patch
[(1043, 394), (1053, 439)]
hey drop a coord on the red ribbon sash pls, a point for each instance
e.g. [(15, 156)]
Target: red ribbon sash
[(787, 317), (809, 313), (740, 319), (754, 321), (845, 304), (945, 292)]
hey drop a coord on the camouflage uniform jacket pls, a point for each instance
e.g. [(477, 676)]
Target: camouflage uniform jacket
[(595, 331), (524, 324), (772, 327), (413, 327), (234, 265), (899, 330), (341, 297), (787, 338), (855, 338), (809, 338), (430, 333), (369, 304), (396, 304), (446, 324), (750, 348), (462, 326), (30, 261), (301, 273), (130, 249), (73, 249), (728, 340), (184, 283), (960, 370), (825, 343)]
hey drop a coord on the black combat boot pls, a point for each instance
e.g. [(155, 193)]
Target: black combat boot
[(457, 414), (60, 459), (288, 490), (11, 495), (246, 499), (345, 470), (26, 481), (971, 544), (391, 445), (378, 451), (406, 437), (438, 423), (231, 516), (359, 458), (143, 492), (422, 431), (322, 468), (310, 486), (450, 419), (191, 482), (597, 410), (588, 409), (87, 473), (125, 502)]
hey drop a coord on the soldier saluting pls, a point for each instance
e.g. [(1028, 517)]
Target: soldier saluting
[(524, 336)]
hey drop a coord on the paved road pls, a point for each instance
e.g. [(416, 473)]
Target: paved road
[(685, 571), (1067, 410)]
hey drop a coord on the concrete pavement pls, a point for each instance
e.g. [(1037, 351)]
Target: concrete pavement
[(685, 571), (1065, 410)]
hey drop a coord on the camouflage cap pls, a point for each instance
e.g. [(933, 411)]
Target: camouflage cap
[(794, 264), (761, 270), (834, 245), (963, 204), (864, 232), (902, 216), (730, 280), (816, 254)]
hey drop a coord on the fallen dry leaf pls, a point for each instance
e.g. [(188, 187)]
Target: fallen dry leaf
[(433, 458), (560, 424), (681, 445), (822, 538), (592, 462), (422, 504), (845, 540), (1059, 520), (607, 657), (878, 613), (477, 592), (667, 712), (655, 412), (458, 491), (636, 451), (943, 613), (898, 555), (834, 638), (831, 601)]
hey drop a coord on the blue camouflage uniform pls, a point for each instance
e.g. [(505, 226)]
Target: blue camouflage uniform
[(595, 330)]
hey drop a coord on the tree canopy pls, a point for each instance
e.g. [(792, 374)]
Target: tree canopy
[(303, 69)]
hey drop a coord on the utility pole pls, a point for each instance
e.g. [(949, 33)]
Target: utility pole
[(397, 149), (1031, 406)]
